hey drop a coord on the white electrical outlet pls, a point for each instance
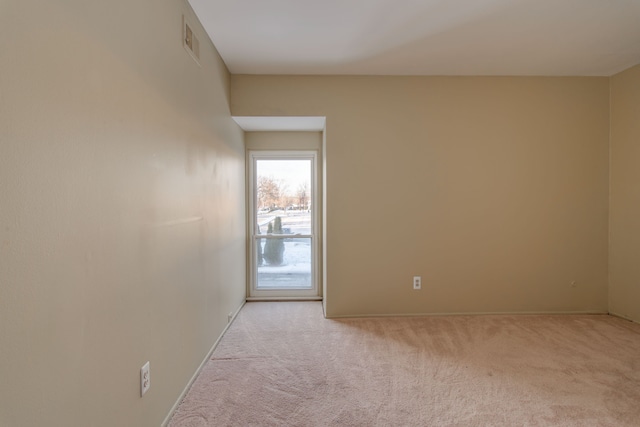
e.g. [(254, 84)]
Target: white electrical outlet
[(417, 282), (145, 379), (229, 317)]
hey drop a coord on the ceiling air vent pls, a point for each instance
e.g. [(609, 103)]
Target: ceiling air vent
[(190, 40)]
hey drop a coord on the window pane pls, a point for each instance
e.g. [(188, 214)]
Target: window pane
[(283, 263), (290, 222), (283, 191)]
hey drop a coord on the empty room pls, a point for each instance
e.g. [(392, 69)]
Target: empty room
[(338, 213)]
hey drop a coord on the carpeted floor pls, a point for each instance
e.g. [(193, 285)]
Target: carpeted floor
[(283, 364)]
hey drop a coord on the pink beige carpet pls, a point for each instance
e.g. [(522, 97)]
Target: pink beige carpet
[(283, 364)]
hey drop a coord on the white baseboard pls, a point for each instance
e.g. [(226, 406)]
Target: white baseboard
[(195, 375), (480, 313), (621, 316)]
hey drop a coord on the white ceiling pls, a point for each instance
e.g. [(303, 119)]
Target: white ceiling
[(424, 37)]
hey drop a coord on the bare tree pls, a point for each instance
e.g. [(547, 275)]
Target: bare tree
[(269, 192), (284, 199), (303, 195)]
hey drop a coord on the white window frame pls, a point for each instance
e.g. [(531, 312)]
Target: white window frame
[(261, 294)]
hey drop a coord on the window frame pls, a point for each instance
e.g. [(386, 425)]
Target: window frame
[(254, 293)]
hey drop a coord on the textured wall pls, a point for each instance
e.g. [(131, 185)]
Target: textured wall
[(493, 189), (122, 227), (624, 286)]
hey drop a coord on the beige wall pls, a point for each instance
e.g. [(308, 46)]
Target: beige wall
[(493, 189), (624, 250), (280, 140), (122, 229)]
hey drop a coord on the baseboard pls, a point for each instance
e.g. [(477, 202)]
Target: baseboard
[(621, 316), (479, 313), (195, 375)]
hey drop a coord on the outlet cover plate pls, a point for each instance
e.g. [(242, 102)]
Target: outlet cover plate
[(145, 379)]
